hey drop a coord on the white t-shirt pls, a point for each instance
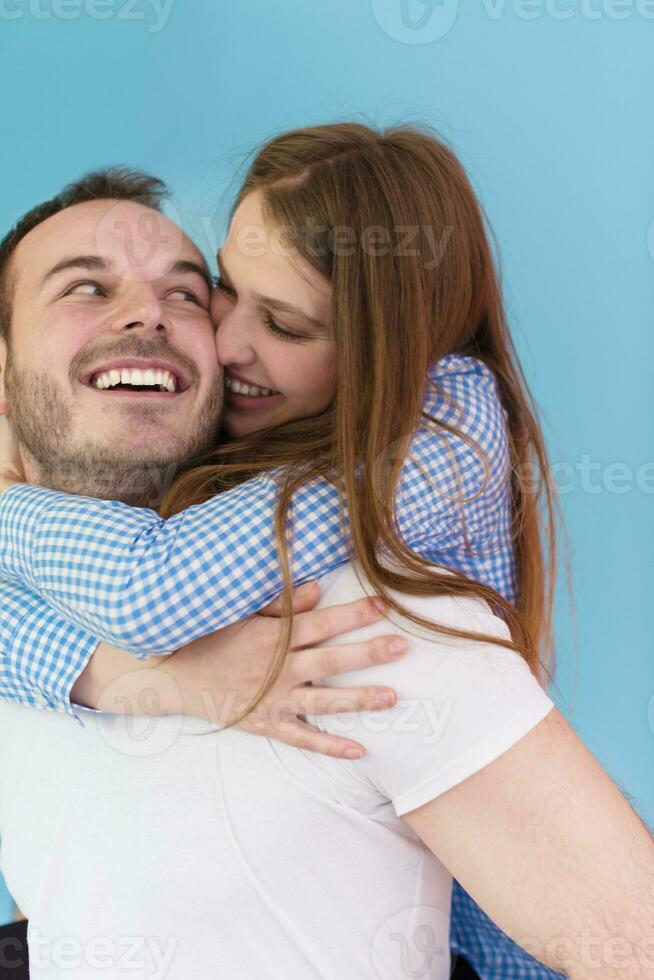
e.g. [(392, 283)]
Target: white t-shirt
[(141, 848)]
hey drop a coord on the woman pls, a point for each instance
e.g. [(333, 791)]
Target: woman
[(406, 408), (393, 339)]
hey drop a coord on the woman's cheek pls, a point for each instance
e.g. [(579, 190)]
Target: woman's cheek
[(329, 374), (318, 376)]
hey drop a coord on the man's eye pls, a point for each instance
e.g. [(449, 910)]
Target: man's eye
[(185, 295), (86, 288)]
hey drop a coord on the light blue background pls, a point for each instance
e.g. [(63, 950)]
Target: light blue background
[(552, 114)]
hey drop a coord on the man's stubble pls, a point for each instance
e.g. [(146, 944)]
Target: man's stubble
[(42, 422)]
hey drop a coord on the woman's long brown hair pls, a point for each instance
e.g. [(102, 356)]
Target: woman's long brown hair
[(396, 313)]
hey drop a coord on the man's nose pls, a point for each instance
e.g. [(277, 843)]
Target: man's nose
[(141, 312)]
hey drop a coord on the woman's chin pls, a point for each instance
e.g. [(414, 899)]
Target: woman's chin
[(238, 426)]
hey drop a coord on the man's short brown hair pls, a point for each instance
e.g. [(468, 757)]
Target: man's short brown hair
[(119, 183)]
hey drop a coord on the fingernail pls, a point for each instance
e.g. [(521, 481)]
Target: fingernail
[(386, 700), (380, 605), (352, 754), (397, 648)]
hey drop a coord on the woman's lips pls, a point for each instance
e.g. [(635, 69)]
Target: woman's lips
[(248, 403)]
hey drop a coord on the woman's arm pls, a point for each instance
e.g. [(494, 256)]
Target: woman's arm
[(216, 677), (47, 663), (41, 653), (549, 848), (149, 585)]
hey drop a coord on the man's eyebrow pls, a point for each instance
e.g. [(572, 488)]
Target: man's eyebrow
[(95, 263), (89, 262), (188, 267), (277, 304)]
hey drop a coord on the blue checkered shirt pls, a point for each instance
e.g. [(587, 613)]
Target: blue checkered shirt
[(151, 586)]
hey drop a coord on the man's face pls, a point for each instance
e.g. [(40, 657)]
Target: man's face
[(100, 291)]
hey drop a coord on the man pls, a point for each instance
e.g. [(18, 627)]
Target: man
[(72, 442), (61, 331), (55, 324)]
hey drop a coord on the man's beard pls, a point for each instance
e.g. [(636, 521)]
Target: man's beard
[(42, 422)]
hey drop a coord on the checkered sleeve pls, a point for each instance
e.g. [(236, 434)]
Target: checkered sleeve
[(454, 503), (149, 585), (41, 654)]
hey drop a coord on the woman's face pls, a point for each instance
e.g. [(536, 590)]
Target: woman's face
[(274, 332)]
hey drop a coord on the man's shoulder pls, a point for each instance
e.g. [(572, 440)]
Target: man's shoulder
[(348, 583)]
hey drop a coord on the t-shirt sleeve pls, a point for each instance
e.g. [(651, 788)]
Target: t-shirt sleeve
[(461, 704)]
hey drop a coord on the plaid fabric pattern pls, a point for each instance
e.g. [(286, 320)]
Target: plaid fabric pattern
[(41, 653), (150, 586), (492, 954)]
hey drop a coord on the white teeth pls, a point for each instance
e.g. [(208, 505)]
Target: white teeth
[(252, 391), (135, 376)]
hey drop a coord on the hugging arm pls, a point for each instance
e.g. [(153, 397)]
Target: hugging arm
[(41, 653), (559, 859), (151, 586), (46, 662), (494, 781)]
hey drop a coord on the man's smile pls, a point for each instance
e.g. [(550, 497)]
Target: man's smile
[(132, 376)]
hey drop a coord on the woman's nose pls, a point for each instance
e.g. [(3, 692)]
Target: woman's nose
[(233, 343)]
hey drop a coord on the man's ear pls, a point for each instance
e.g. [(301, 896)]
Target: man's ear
[(3, 370)]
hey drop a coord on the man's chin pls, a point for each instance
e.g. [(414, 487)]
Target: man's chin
[(131, 467)]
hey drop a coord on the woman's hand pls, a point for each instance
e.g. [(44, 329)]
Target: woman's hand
[(216, 676), (221, 673), (11, 465)]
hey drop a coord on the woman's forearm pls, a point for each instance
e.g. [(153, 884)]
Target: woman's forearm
[(115, 682), (149, 585), (41, 653)]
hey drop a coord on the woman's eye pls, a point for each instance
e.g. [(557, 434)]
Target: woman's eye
[(223, 287), (86, 288), (284, 334)]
